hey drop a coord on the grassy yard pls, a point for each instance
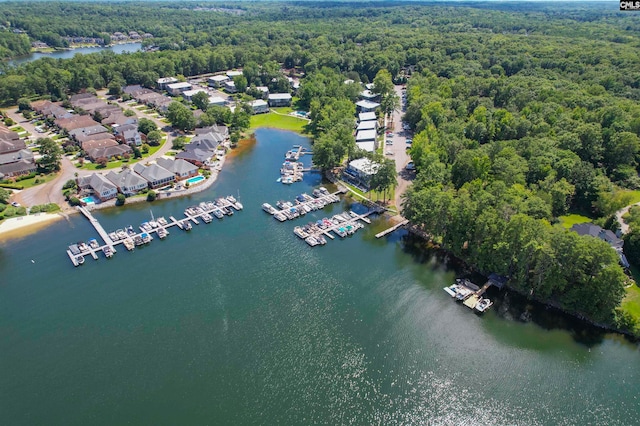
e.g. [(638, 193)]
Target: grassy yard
[(373, 195), (631, 302), (283, 110), (28, 183), (567, 221), (635, 196), (284, 122)]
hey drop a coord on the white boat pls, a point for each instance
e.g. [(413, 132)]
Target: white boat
[(280, 216), (161, 233), (187, 225), (108, 252), (80, 259), (93, 243), (128, 244), (483, 305), (268, 208), (452, 290), (162, 221)]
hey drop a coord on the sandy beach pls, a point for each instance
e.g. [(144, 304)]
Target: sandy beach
[(24, 225)]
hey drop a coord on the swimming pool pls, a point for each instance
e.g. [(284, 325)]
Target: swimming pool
[(195, 179), (90, 200)]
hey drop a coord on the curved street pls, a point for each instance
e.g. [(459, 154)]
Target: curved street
[(51, 192)]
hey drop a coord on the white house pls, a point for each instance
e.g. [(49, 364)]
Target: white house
[(279, 99), (361, 170), (367, 116), (217, 101), (163, 82), (232, 74), (259, 106), (176, 89), (368, 95), (218, 80), (368, 125), (366, 139), (230, 87), (366, 106), (188, 94)]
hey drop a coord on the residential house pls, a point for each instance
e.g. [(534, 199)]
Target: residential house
[(223, 131), (188, 94), (366, 139), (264, 90), (232, 74), (369, 95), (109, 152), (259, 106), (367, 116), (179, 167), (177, 89), (197, 156), (368, 125), (119, 119), (131, 137), (209, 140), (155, 175), (82, 134), (134, 89), (218, 80), (606, 236), (119, 130), (127, 181), (360, 171), (217, 101), (75, 122), (98, 185), (279, 99), (366, 106), (97, 143), (164, 82), (15, 158), (230, 86)]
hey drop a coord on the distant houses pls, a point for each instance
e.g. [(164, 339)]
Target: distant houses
[(15, 158)]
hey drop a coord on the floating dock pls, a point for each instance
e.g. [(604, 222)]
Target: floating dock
[(304, 204), (342, 225), (393, 228), (77, 252)]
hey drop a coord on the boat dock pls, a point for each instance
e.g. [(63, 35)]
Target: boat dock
[(295, 153), (303, 204), (130, 238), (393, 228), (342, 225)]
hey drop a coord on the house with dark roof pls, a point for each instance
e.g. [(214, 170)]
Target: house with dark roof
[(127, 181), (196, 156), (208, 141), (15, 158), (75, 122), (221, 130), (97, 143), (156, 176), (98, 185), (82, 134), (179, 167), (132, 137), (109, 152), (605, 235)]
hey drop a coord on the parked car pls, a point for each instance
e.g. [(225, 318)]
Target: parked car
[(15, 204), (409, 141), (410, 166)]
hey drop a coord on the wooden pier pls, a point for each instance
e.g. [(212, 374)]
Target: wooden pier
[(303, 207), (342, 225), (393, 228), (193, 215)]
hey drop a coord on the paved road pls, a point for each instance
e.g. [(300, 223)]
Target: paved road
[(400, 153), (51, 192)]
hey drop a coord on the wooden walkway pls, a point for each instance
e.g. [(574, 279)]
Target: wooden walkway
[(393, 228), (193, 216)]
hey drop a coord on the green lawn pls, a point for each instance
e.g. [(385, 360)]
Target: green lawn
[(631, 302), (284, 122), (373, 195), (635, 196), (28, 183), (567, 221), (283, 110)]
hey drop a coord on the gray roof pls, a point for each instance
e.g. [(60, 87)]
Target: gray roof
[(152, 172), (96, 181), (597, 232), (208, 141), (177, 166), (91, 130), (21, 166), (11, 145), (124, 127), (127, 178), (109, 151), (12, 157), (196, 154)]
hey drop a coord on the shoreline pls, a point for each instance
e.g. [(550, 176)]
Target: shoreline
[(25, 225)]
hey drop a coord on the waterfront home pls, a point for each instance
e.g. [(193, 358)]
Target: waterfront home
[(156, 176), (165, 81), (177, 89), (360, 171), (218, 80), (127, 181), (279, 99), (98, 185), (367, 125), (366, 106), (605, 235), (367, 116), (179, 167), (196, 156), (209, 140), (366, 139), (223, 131), (108, 152), (259, 106)]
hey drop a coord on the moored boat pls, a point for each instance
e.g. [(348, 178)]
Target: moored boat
[(483, 305)]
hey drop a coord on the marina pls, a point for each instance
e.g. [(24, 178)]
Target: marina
[(130, 238), (342, 225), (463, 290), (292, 170), (303, 204)]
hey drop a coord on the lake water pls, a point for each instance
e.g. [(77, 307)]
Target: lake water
[(240, 322), (66, 54)]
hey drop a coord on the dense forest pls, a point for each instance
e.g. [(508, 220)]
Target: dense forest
[(521, 112)]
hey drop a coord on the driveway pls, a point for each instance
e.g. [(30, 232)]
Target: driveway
[(51, 192), (399, 151)]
